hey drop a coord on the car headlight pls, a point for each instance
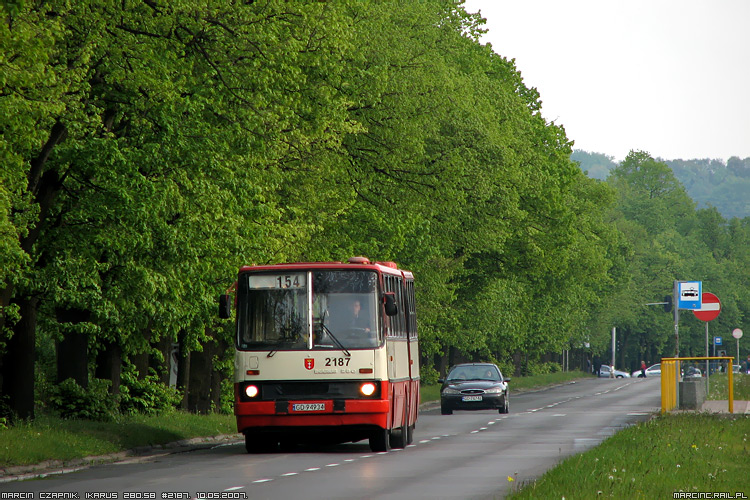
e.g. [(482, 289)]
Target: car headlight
[(494, 390), (450, 390)]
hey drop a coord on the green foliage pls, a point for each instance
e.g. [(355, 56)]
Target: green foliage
[(147, 395), (73, 401), (155, 150)]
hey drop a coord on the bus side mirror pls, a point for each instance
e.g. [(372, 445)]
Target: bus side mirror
[(389, 300), (225, 306)]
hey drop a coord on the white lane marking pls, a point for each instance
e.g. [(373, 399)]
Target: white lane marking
[(333, 465), (234, 488), (559, 415), (262, 480), (289, 474), (312, 469), (473, 432)]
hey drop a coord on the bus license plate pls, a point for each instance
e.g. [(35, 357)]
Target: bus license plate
[(309, 407), (471, 398)]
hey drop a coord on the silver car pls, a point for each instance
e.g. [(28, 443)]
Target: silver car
[(651, 371), (606, 372)]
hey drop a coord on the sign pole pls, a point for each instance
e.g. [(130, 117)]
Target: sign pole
[(707, 361), (676, 301)]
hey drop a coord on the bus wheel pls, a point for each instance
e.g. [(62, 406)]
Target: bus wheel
[(260, 443), (379, 440), (409, 434), (399, 437)]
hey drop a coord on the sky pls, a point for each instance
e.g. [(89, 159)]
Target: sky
[(668, 77)]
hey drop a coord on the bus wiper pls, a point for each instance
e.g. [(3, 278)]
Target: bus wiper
[(335, 340)]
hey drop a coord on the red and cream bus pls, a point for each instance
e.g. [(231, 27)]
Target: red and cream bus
[(325, 350)]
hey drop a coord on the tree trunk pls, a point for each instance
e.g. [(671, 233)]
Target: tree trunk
[(162, 368), (109, 365), (18, 362), (17, 378), (199, 396), (141, 359), (183, 370), (73, 349)]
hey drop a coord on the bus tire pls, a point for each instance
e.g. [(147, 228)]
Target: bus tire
[(380, 440), (260, 443), (399, 437), (409, 434)]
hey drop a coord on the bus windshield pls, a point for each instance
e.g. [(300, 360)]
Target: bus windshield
[(273, 310)]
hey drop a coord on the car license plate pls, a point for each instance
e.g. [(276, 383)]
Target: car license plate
[(471, 398), (309, 407)]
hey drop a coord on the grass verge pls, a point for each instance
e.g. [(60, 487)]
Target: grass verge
[(688, 452), (719, 386), (51, 438)]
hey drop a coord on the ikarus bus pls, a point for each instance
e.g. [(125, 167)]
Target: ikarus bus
[(325, 350)]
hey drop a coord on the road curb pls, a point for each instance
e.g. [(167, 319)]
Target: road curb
[(56, 467)]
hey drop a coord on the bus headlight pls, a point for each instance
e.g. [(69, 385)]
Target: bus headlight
[(368, 388), (251, 391)]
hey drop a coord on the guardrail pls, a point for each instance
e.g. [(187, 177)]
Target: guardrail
[(670, 376)]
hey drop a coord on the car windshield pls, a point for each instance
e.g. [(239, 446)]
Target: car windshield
[(474, 373)]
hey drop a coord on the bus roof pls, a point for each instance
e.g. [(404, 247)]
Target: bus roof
[(352, 263)]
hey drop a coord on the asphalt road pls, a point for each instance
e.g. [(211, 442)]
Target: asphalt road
[(460, 456)]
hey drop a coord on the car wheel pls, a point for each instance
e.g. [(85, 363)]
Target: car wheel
[(444, 410), (506, 405), (619, 376)]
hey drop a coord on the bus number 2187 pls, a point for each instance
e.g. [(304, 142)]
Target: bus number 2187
[(337, 361)]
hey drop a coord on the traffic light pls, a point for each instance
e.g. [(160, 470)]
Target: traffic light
[(668, 303)]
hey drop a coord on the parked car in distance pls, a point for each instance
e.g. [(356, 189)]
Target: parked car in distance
[(474, 386), (651, 371), (605, 372), (736, 368), (692, 372)]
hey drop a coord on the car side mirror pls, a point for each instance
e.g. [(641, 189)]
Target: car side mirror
[(441, 381), (225, 306), (389, 300), (506, 379)]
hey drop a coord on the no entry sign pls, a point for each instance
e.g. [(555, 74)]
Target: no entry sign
[(710, 308)]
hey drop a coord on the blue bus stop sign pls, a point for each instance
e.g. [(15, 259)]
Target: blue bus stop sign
[(717, 340)]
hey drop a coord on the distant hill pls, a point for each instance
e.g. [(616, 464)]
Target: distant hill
[(725, 186)]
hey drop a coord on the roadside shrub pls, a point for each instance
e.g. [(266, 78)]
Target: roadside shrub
[(71, 400), (428, 375), (146, 395), (544, 368)]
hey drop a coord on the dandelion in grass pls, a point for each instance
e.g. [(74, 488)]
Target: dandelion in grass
[(510, 479)]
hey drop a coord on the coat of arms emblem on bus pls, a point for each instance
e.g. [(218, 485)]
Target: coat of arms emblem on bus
[(309, 363)]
